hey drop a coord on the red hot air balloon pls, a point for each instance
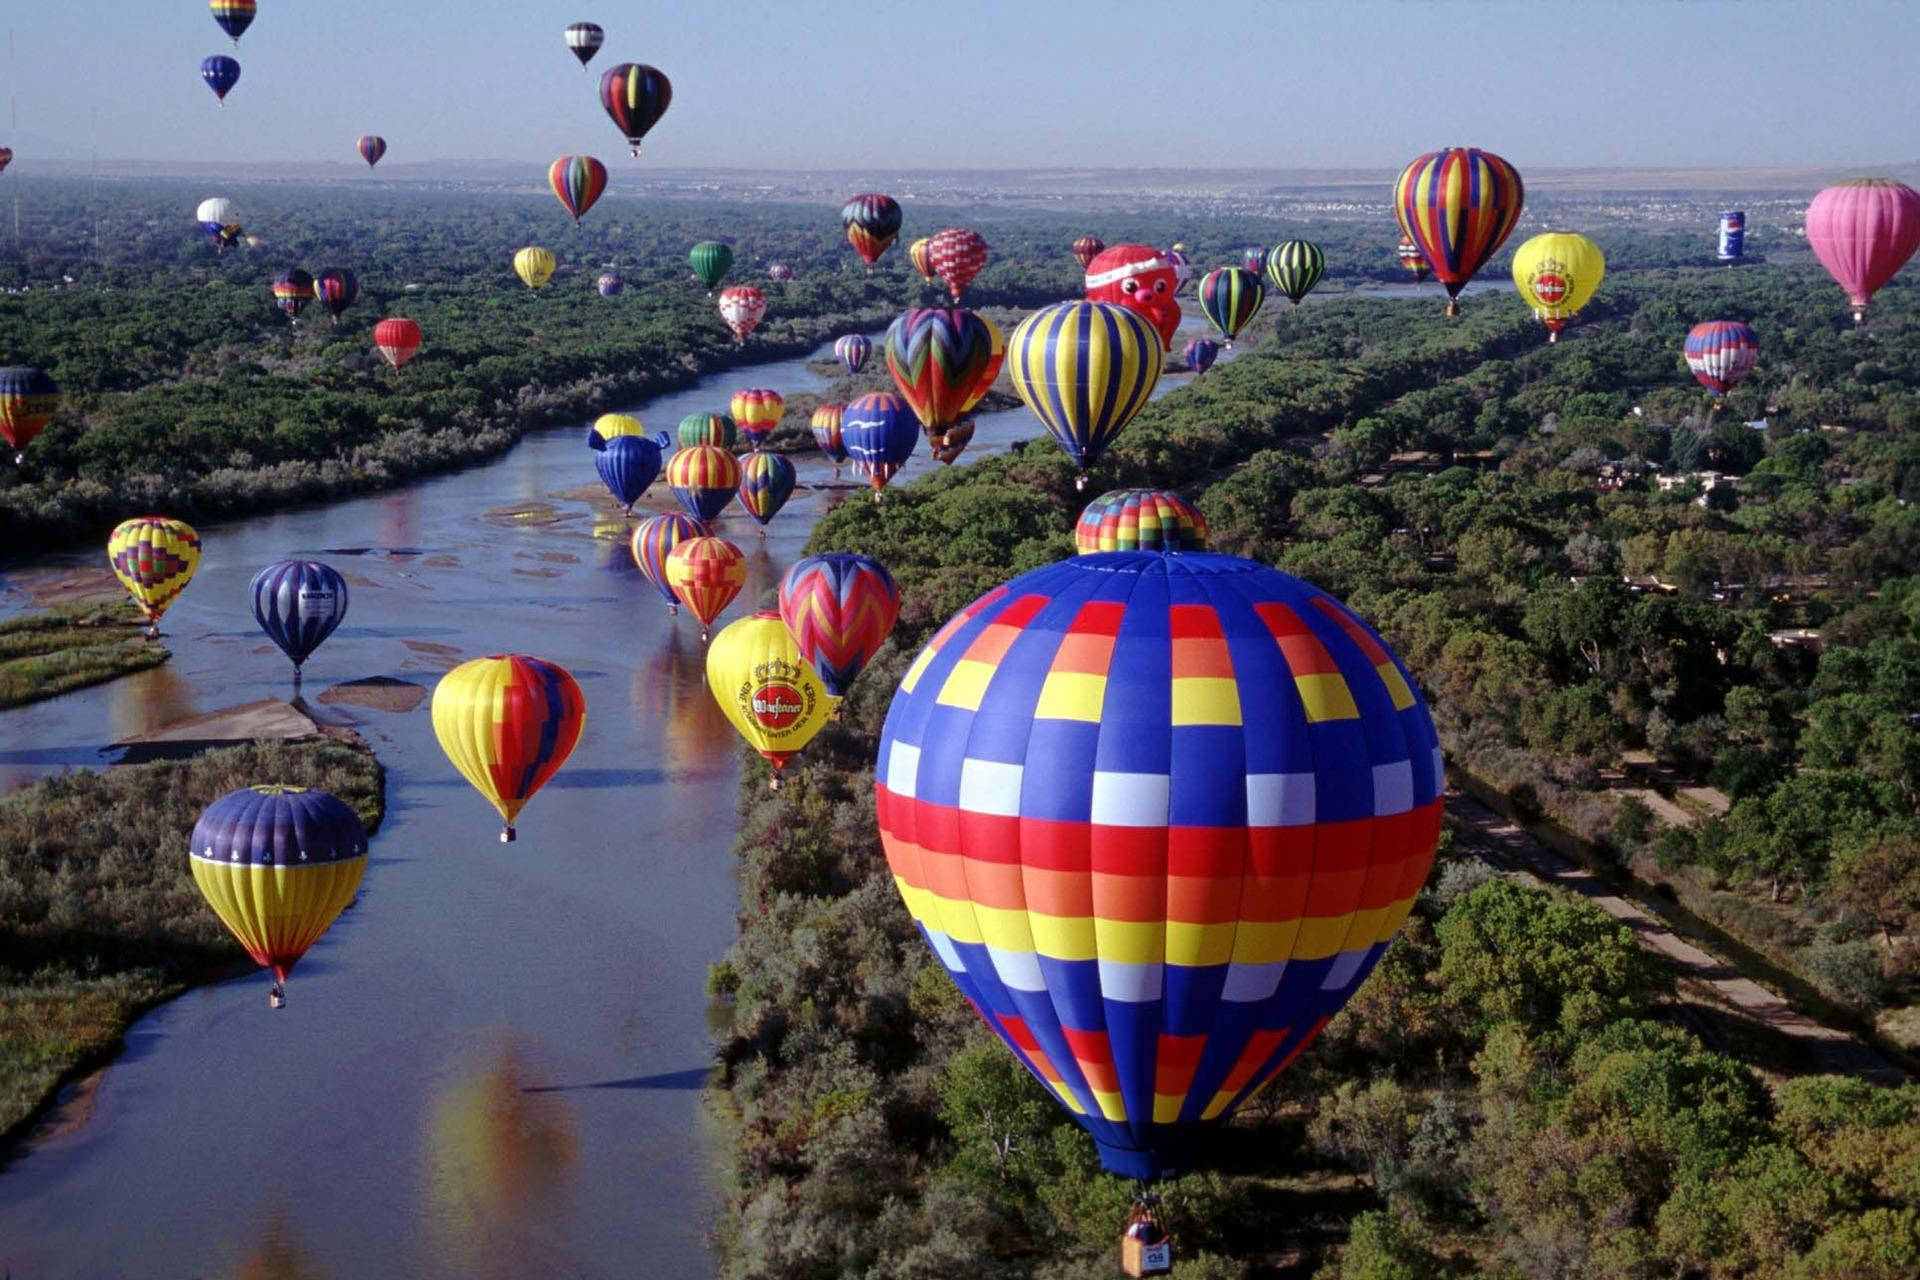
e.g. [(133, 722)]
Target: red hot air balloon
[(1458, 206), (577, 182), (371, 148), (1139, 277), (398, 339), (1863, 231), (957, 254), (742, 307), (1086, 249), (839, 609)]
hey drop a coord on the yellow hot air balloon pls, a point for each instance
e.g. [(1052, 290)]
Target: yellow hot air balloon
[(154, 558), (534, 266), (766, 688), (1556, 274), (508, 722), (609, 426)]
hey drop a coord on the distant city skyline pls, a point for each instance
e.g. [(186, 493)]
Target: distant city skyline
[(996, 84)]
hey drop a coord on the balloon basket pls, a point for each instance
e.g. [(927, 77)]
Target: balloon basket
[(1145, 1247), (1080, 483), (1553, 336), (1453, 306), (773, 783), (673, 611), (277, 997), (508, 835), (763, 535)]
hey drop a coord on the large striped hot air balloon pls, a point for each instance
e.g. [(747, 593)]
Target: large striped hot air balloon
[(534, 266), (398, 340), (944, 360), (154, 557), (1158, 817), (577, 182), (1863, 231), (654, 540), (764, 688), (710, 260), (706, 574), (873, 224), (635, 97), (1085, 369), (298, 603), (920, 253), (1295, 267), (1140, 520), (879, 432), (708, 428), (766, 482), (742, 307), (840, 609), (1720, 353), (234, 17), (826, 433), (703, 479), (508, 722), (1556, 274), (278, 865), (1458, 206), (28, 401), (958, 255), (371, 147), (758, 411), (1230, 298), (852, 351), (627, 462), (1086, 249)]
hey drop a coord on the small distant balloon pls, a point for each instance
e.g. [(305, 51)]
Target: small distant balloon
[(742, 307), (28, 401), (584, 40), (853, 350), (398, 339), (371, 147), (873, 223), (958, 255), (534, 266), (1086, 249), (298, 603), (711, 260), (221, 73), (335, 289), (234, 16), (610, 285), (292, 291), (1199, 354), (577, 182)]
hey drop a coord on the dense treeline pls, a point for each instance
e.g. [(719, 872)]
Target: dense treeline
[(1522, 1091)]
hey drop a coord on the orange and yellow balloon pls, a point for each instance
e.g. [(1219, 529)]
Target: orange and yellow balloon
[(154, 558), (706, 574), (508, 722)]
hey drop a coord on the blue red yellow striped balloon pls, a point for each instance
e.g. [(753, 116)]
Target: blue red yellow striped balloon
[(852, 351), (1255, 259), (1295, 267), (873, 224), (879, 432), (766, 482), (577, 182), (292, 291), (154, 557), (221, 73), (28, 401), (772, 698), (1458, 206), (335, 289), (703, 479), (1199, 354), (508, 722), (706, 574), (840, 609), (298, 603), (1085, 369), (826, 433), (654, 540), (628, 464), (635, 97), (1230, 298), (234, 16), (278, 865), (758, 411), (371, 147), (1158, 817), (707, 428), (944, 360), (1140, 520), (1721, 353)]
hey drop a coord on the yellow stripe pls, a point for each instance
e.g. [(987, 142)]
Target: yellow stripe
[(920, 664), (1205, 700), (1071, 695), (966, 684), (1166, 1107), (1396, 686), (1326, 697), (1111, 1105)]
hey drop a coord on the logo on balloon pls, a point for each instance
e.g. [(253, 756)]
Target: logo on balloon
[(776, 696), (777, 705), (1550, 284)]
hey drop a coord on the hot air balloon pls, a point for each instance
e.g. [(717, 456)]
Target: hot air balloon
[(1556, 274), (706, 574), (711, 260), (839, 609), (234, 17), (766, 482), (635, 96), (1086, 249), (826, 434), (371, 148), (292, 291), (757, 411), (335, 288), (28, 401), (1085, 369), (1176, 258), (920, 253), (1230, 298), (958, 254), (653, 540), (534, 266), (766, 690), (1720, 353), (610, 284), (583, 41), (944, 360), (873, 224), (1255, 259), (1140, 520), (221, 73), (707, 428), (508, 721), (879, 432), (948, 447), (298, 603), (398, 339), (1158, 816), (1732, 245), (1863, 231), (219, 217), (1412, 259), (703, 479), (779, 273), (577, 182), (1199, 354), (6, 158), (611, 426), (1141, 278), (853, 350), (628, 464), (1458, 206), (742, 307), (278, 865), (154, 558), (1295, 267)]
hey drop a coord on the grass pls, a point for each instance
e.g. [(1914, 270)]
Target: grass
[(69, 647), (99, 916)]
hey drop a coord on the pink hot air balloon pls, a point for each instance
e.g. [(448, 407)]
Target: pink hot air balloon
[(1863, 230)]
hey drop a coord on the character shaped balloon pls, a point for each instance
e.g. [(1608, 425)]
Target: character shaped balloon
[(1139, 277)]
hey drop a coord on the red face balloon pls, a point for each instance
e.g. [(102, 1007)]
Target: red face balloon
[(1141, 277)]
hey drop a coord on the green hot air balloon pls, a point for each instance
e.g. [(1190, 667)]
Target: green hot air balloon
[(711, 261), (1295, 267)]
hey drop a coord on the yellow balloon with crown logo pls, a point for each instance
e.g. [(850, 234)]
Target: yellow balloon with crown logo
[(766, 688), (1556, 274)]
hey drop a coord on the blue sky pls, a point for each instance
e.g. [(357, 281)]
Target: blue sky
[(810, 84)]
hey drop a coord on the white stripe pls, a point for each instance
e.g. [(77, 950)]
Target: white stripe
[(1018, 969), (1252, 983), (988, 786), (1344, 966), (1392, 788), (903, 769), (1280, 799), (944, 948), (1130, 799), (1439, 771), (1131, 983), (1113, 275)]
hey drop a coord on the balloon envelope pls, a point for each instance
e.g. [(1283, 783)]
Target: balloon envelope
[(298, 603), (221, 73), (1863, 231), (766, 482), (154, 557), (1199, 354), (234, 16), (840, 609), (1295, 267), (742, 307), (371, 148), (1086, 249), (826, 432), (508, 722), (944, 361), (534, 266), (584, 40), (958, 254), (398, 339), (654, 540), (635, 97), (764, 688), (852, 351), (710, 260), (1140, 520), (1458, 206), (577, 182), (1720, 353), (873, 223), (1142, 278), (707, 428), (1556, 274), (628, 464), (703, 479), (706, 574), (1230, 298), (28, 401), (879, 432), (1085, 369), (757, 411)]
